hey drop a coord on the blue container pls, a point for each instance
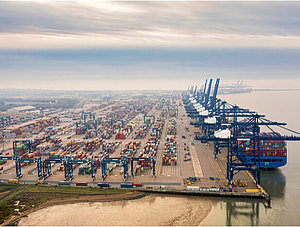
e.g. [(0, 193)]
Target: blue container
[(64, 183), (124, 185), (103, 185), (224, 189), (192, 178), (230, 189), (211, 178)]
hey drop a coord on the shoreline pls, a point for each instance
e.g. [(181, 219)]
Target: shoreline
[(81, 199), (193, 215)]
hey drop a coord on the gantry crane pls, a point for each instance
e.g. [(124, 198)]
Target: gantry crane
[(222, 112)]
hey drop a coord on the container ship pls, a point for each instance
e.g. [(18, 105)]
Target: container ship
[(273, 153)]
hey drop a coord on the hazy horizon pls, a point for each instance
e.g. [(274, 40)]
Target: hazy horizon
[(89, 45)]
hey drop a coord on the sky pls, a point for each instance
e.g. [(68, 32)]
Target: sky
[(148, 45)]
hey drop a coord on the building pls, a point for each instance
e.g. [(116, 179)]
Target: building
[(21, 109)]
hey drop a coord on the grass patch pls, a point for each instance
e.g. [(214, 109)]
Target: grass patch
[(35, 195), (6, 187)]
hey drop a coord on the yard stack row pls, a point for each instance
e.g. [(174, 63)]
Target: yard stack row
[(32, 127), (130, 149), (92, 145), (142, 131), (151, 147), (170, 150), (157, 128), (108, 148)]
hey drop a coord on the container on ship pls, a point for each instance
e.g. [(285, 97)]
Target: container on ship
[(273, 153)]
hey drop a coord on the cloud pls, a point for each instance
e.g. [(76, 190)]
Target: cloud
[(83, 24), (90, 45)]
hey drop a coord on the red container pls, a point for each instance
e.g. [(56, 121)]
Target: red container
[(81, 184), (3, 162)]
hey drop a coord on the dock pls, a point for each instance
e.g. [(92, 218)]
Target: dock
[(168, 159)]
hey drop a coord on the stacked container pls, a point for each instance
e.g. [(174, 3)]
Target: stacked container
[(85, 169), (266, 147), (170, 150), (141, 132), (130, 148)]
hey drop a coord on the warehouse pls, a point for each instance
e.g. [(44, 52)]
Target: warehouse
[(21, 109)]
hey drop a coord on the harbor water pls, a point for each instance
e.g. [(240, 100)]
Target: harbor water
[(283, 184)]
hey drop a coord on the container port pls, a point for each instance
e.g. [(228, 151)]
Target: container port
[(187, 142)]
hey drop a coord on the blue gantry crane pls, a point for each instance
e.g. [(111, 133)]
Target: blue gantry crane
[(68, 163), (145, 160), (146, 117), (19, 160), (123, 161), (28, 144), (232, 120), (44, 165), (85, 115)]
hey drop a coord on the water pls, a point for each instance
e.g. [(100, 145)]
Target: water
[(283, 184)]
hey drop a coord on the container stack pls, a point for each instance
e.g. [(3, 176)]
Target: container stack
[(141, 132), (92, 145), (74, 145), (80, 130), (109, 147), (170, 150), (2, 162), (21, 150), (45, 145), (157, 128), (44, 149), (35, 126), (120, 136), (85, 169), (171, 129), (150, 149), (130, 149), (267, 148)]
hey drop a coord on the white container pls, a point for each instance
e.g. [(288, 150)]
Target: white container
[(192, 188), (214, 189)]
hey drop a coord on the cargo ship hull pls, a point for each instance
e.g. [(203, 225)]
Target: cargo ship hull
[(273, 153), (267, 162)]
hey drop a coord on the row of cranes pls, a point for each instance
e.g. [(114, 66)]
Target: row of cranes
[(43, 165), (223, 124)]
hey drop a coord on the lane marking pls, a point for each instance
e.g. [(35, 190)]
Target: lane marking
[(196, 163)]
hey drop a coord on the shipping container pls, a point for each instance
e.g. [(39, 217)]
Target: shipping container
[(81, 184), (64, 183), (137, 184), (103, 185), (126, 185), (252, 190), (192, 188), (13, 181)]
